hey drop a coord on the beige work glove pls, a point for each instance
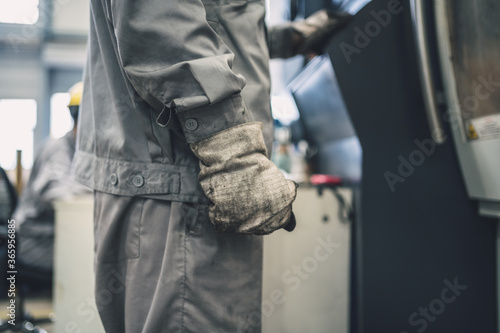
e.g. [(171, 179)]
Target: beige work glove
[(311, 35), (249, 194)]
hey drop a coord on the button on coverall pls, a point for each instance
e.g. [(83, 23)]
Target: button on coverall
[(162, 74)]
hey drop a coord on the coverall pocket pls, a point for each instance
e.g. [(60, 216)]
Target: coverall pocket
[(117, 227)]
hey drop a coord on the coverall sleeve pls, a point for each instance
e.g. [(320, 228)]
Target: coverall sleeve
[(177, 63)]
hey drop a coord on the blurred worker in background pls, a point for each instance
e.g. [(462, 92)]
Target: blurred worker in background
[(49, 180), (8, 197), (8, 202), (171, 87)]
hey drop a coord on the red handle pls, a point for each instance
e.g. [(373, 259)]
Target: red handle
[(326, 180)]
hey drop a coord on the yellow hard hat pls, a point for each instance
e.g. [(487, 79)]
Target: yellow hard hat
[(75, 93)]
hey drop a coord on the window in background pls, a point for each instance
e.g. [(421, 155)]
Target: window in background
[(19, 11), (17, 122), (60, 118)]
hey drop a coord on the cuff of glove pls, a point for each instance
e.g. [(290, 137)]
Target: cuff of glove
[(230, 144)]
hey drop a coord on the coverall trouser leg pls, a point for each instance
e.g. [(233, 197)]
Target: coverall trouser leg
[(161, 267)]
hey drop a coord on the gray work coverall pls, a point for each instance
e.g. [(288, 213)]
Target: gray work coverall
[(162, 74)]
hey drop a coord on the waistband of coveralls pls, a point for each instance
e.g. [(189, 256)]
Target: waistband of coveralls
[(149, 180)]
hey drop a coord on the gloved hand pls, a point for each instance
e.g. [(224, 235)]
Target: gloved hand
[(249, 194), (311, 35)]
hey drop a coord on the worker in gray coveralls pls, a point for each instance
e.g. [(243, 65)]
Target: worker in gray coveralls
[(175, 133), (49, 180)]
